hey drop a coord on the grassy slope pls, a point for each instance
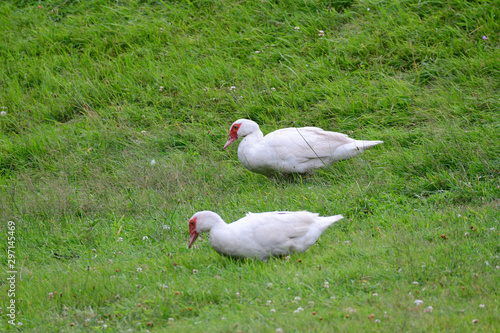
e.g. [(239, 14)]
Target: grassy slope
[(81, 82)]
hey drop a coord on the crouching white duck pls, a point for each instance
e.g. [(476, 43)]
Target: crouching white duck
[(291, 150), (260, 235)]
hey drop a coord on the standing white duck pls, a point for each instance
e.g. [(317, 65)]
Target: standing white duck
[(260, 235), (291, 150)]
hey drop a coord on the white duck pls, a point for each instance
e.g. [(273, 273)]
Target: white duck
[(260, 235), (291, 150)]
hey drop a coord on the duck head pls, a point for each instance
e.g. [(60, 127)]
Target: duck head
[(241, 128)]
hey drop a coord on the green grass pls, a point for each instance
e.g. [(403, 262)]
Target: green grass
[(94, 90)]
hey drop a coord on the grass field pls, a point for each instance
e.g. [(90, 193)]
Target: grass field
[(92, 91)]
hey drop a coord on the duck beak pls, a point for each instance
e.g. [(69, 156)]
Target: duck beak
[(229, 141), (192, 238)]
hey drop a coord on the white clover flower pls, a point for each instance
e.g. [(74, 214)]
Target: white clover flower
[(273, 310), (268, 303), (297, 28), (297, 298), (237, 294), (418, 302), (153, 162), (299, 309), (119, 239), (195, 271), (269, 285), (326, 284), (368, 9), (164, 286), (481, 306), (375, 294), (170, 319), (429, 309), (257, 52), (232, 88), (273, 89), (166, 227), (161, 88), (51, 295), (3, 113), (377, 320), (145, 238), (279, 330), (415, 282), (475, 321), (139, 269)]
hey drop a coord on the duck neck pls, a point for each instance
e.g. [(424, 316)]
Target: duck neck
[(252, 138)]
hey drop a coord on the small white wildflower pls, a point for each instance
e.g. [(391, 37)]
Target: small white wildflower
[(333, 297), (475, 321), (161, 88), (145, 238), (368, 9), (377, 320), (375, 294), (273, 310), (153, 162), (195, 271), (287, 258), (310, 302), (112, 277), (143, 132), (104, 326), (459, 215), (492, 229), (321, 33), (297, 298), (418, 302), (232, 88), (299, 309), (487, 263), (297, 28), (279, 330), (119, 239), (326, 284), (257, 52), (166, 227), (164, 286), (170, 319), (237, 294), (268, 303), (467, 234), (415, 282), (497, 267), (19, 324), (269, 285), (429, 309), (161, 30), (481, 306), (51, 295), (297, 274), (273, 89), (3, 113), (347, 242), (139, 269), (387, 316)]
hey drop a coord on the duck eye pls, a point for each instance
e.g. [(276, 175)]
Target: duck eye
[(235, 127)]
